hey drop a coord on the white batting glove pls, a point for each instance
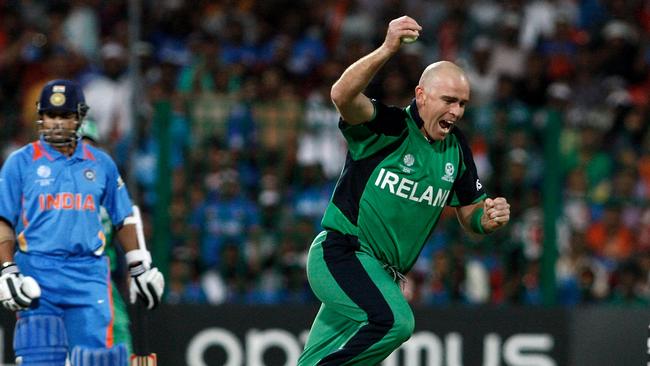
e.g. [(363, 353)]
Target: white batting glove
[(17, 291), (147, 284)]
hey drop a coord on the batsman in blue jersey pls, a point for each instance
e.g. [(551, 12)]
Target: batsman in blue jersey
[(57, 277)]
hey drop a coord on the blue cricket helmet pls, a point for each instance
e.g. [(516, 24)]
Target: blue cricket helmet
[(62, 95)]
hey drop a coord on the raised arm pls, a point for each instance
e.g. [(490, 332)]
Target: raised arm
[(347, 91)]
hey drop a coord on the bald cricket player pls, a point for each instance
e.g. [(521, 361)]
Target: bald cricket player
[(404, 165)]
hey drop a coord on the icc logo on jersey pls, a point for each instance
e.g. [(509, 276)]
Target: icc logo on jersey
[(409, 160), (43, 171)]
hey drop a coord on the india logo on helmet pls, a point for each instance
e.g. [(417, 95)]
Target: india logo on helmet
[(57, 99)]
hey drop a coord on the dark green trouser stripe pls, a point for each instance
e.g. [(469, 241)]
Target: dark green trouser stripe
[(347, 270)]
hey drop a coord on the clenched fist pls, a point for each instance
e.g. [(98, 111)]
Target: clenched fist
[(496, 213)]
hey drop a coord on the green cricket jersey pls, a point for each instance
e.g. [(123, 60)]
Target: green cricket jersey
[(395, 184)]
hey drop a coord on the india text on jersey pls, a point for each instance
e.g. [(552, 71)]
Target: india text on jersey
[(66, 201)]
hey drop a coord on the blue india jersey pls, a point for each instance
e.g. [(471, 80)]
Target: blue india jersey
[(54, 201)]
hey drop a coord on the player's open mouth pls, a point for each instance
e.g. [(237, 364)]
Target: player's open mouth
[(446, 125)]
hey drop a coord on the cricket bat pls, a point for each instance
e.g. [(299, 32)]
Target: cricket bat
[(141, 355)]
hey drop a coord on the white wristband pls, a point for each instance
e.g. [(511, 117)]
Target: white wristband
[(138, 255)]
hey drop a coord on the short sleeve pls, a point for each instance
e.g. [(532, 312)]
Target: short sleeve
[(116, 198), (11, 189), (387, 125)]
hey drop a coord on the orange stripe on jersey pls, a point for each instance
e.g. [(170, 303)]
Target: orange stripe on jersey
[(87, 153), (22, 242), (39, 151), (24, 214), (109, 331), (102, 237)]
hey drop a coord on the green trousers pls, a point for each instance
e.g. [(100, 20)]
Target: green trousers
[(363, 317)]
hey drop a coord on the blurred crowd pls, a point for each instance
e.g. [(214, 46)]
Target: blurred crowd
[(559, 98)]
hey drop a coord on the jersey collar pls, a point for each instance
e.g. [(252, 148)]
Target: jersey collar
[(43, 149), (413, 110)]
